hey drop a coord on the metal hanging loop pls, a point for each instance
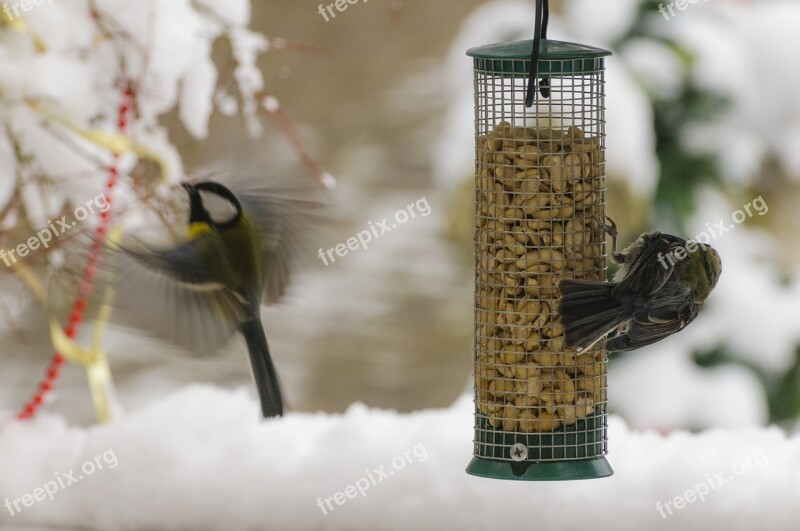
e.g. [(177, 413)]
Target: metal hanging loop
[(540, 33)]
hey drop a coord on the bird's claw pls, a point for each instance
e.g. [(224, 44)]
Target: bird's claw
[(609, 228)]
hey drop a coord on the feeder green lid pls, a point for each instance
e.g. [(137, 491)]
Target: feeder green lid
[(556, 58)]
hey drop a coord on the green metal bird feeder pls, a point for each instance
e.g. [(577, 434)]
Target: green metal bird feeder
[(540, 409)]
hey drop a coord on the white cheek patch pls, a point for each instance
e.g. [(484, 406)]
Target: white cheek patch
[(219, 209)]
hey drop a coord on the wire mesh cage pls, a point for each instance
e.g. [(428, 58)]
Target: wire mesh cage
[(540, 409)]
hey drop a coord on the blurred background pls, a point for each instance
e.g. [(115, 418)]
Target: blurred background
[(702, 120)]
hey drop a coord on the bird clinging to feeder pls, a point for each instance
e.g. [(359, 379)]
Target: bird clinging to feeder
[(540, 407), (660, 287)]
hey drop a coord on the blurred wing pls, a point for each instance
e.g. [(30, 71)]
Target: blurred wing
[(285, 221), (652, 326), (170, 294), (652, 268)]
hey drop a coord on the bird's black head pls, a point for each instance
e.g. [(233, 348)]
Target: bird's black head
[(212, 203)]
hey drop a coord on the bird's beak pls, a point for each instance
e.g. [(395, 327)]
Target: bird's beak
[(189, 187)]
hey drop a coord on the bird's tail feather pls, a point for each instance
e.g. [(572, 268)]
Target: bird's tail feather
[(588, 311), (269, 389)]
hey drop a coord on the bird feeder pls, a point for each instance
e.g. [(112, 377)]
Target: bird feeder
[(540, 408)]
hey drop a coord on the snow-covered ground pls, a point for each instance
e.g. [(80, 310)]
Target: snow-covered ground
[(200, 458)]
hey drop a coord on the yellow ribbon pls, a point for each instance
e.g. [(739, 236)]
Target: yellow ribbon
[(114, 142), (19, 24), (98, 373)]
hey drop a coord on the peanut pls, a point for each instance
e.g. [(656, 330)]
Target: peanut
[(510, 418), (539, 190)]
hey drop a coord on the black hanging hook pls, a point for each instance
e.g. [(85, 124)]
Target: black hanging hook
[(540, 33)]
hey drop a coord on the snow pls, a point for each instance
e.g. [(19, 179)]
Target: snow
[(236, 12), (751, 312), (750, 296), (655, 66), (71, 86), (197, 90), (246, 45), (631, 139), (630, 144), (504, 20), (226, 103), (328, 181), (602, 24), (671, 391), (200, 458), (271, 104), (740, 53)]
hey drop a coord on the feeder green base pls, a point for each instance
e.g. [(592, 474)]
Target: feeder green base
[(597, 467), (576, 451)]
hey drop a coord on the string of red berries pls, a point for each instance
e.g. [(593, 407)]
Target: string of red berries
[(90, 270)]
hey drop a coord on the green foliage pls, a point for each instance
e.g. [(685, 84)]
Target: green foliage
[(683, 169), (782, 391)]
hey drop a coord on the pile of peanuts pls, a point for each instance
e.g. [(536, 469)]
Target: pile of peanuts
[(539, 199)]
